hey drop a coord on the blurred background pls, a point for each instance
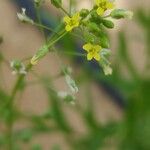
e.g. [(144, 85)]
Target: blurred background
[(110, 112)]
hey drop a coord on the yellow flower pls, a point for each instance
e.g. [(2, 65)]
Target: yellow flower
[(104, 5), (93, 51), (72, 22)]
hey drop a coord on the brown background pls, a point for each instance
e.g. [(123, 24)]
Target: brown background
[(22, 41)]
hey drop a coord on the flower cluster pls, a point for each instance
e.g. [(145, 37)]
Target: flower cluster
[(92, 24)]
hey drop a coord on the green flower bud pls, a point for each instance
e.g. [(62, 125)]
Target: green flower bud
[(84, 13), (66, 70), (108, 23), (121, 13), (40, 54), (104, 42), (95, 18), (94, 14), (93, 27), (105, 52), (56, 3)]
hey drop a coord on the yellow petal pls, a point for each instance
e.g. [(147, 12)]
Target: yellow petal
[(100, 1), (68, 28), (87, 46), (110, 5), (97, 2), (67, 19), (97, 56), (100, 11), (89, 56), (76, 24), (97, 48), (76, 17)]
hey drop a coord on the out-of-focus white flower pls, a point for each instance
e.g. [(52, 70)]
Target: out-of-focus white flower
[(67, 97), (107, 70), (71, 83), (24, 18), (17, 67), (104, 62)]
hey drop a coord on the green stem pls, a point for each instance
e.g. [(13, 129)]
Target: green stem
[(14, 93), (70, 6), (64, 11), (10, 107), (37, 10), (74, 54), (57, 39), (45, 27)]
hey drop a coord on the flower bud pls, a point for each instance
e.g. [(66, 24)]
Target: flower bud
[(105, 52), (107, 70), (40, 54), (66, 70), (104, 41), (71, 83), (18, 67), (93, 27), (95, 18), (121, 13), (69, 98), (84, 13), (109, 24), (23, 17)]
